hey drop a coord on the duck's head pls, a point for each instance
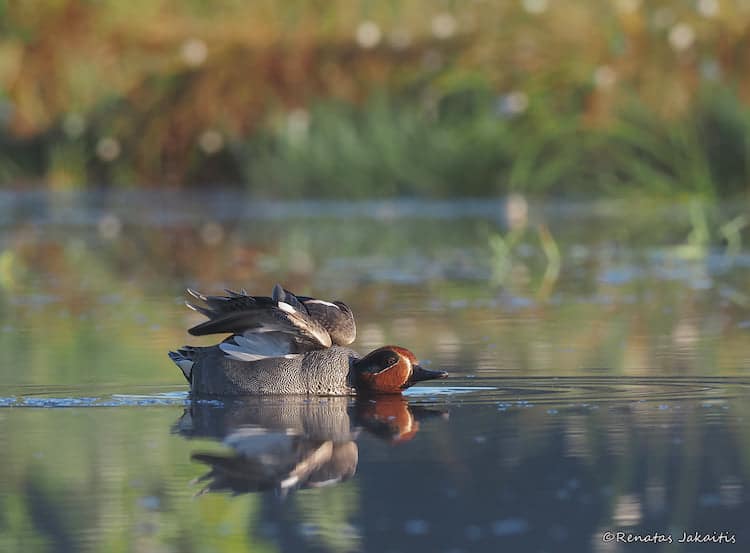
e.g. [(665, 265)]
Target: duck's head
[(336, 317), (390, 370)]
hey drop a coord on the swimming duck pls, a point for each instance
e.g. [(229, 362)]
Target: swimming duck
[(288, 344)]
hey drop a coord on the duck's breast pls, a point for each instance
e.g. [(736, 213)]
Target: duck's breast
[(326, 372)]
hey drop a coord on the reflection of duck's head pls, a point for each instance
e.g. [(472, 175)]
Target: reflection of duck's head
[(391, 418), (387, 417), (391, 369)]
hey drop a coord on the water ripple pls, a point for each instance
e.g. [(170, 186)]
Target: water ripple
[(52, 400), (574, 390), (504, 391)]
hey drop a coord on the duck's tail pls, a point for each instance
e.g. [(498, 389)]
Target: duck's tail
[(183, 358)]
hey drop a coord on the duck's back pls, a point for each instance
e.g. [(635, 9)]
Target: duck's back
[(320, 372)]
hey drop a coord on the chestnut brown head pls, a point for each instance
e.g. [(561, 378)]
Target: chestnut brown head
[(390, 370)]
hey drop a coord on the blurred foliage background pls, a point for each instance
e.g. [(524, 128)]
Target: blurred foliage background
[(363, 99)]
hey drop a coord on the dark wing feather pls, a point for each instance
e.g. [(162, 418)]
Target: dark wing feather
[(280, 294), (244, 315)]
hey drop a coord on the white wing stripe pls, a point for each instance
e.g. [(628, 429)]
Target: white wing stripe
[(322, 302)]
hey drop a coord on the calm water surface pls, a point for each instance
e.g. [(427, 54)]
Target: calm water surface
[(599, 359)]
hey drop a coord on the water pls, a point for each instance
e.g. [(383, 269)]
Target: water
[(603, 392)]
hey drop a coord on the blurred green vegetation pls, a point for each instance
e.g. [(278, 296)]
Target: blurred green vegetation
[(341, 99)]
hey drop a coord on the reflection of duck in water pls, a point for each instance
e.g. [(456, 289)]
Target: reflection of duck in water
[(293, 443), (285, 344), (391, 418)]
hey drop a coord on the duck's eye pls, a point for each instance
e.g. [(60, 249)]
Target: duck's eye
[(391, 360)]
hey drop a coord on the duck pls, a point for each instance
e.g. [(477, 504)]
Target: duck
[(289, 344)]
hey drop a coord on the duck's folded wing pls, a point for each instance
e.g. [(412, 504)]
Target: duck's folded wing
[(254, 346), (282, 316)]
